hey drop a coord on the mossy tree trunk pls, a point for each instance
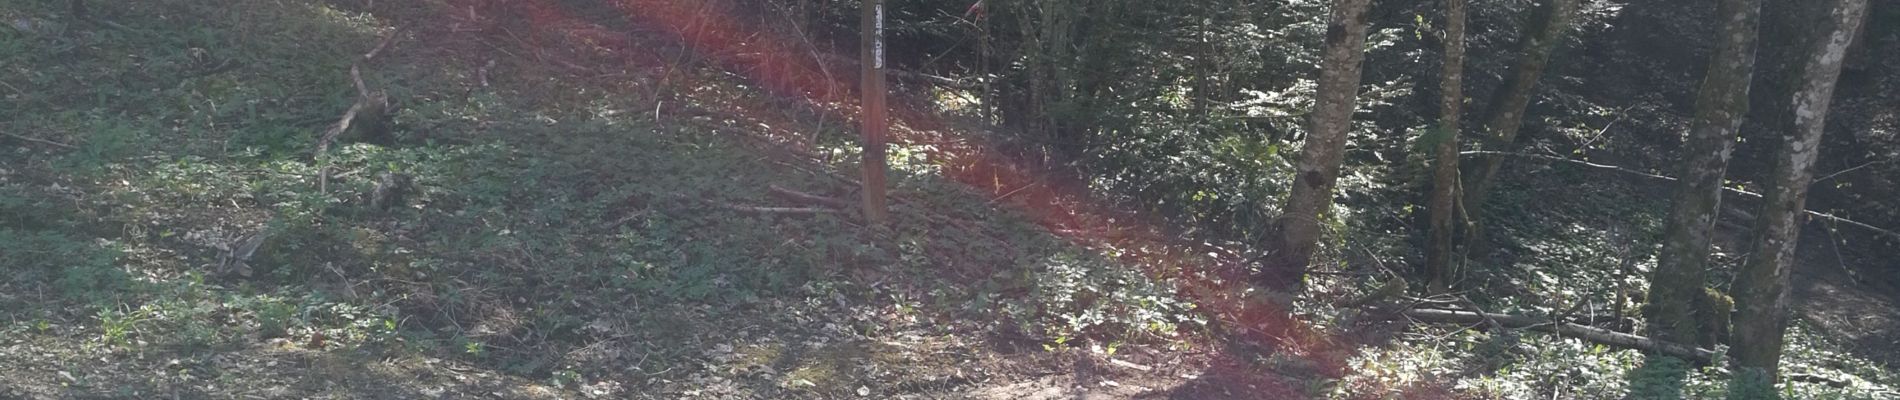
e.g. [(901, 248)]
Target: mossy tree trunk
[(1681, 272), (1676, 309), (1440, 265), (1761, 287), (1318, 168)]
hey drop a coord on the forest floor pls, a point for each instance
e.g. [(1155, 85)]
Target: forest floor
[(593, 215), (1852, 299)]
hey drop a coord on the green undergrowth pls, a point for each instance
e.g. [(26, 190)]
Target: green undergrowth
[(1538, 365), (553, 229), (1571, 254), (543, 208)]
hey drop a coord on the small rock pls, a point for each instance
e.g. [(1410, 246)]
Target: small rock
[(26, 25)]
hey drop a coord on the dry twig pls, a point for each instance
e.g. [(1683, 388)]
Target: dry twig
[(40, 141), (364, 100)]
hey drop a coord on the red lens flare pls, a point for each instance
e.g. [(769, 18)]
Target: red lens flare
[(795, 69)]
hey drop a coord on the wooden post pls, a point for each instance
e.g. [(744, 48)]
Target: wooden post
[(872, 117)]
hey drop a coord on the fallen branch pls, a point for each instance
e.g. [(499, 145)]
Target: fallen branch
[(1855, 168), (944, 81), (1014, 192), (795, 195), (773, 210), (757, 209), (623, 220), (1569, 160), (375, 103), (364, 97), (342, 123), (1129, 365), (920, 77), (1588, 333), (1818, 379), (40, 141), (1883, 231)]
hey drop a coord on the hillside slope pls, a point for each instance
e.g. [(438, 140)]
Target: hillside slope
[(562, 206)]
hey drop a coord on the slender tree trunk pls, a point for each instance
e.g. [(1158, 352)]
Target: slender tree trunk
[(1507, 111), (1761, 287), (1722, 101), (1318, 168), (871, 111), (1439, 263), (1676, 307)]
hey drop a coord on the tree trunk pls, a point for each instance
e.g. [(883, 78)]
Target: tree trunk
[(1318, 168), (1679, 308), (872, 119), (1507, 111), (1439, 262), (1676, 285), (1761, 287)]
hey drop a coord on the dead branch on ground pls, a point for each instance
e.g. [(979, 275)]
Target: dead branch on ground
[(774, 210), (40, 141), (798, 196), (1587, 333), (367, 102)]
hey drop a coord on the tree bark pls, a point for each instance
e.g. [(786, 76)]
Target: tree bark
[(1507, 111), (1439, 261), (1585, 332), (1676, 285), (1761, 287), (872, 119), (1318, 168)]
